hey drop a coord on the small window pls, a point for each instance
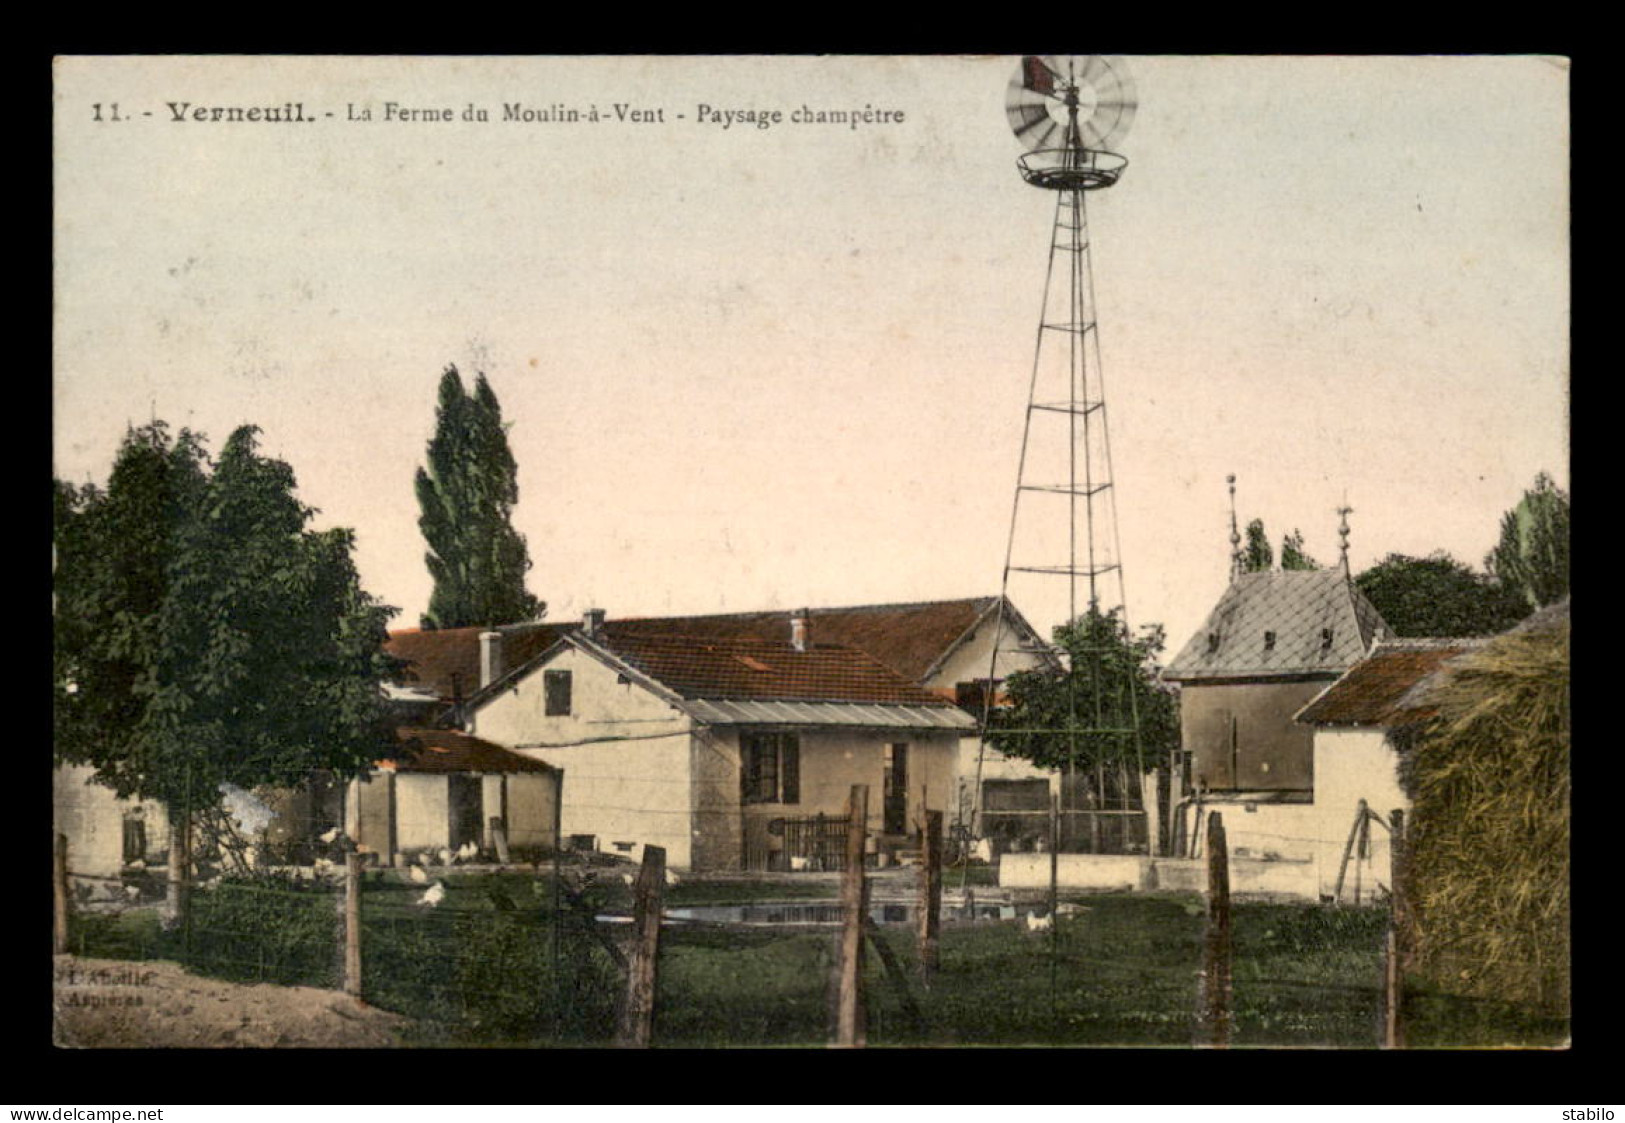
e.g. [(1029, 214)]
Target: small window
[(975, 695), (1212, 642), (1269, 641), (769, 768), (1325, 639), (556, 693)]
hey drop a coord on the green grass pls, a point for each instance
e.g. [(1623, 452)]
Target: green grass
[(473, 971)]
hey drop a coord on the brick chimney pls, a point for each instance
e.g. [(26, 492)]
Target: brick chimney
[(800, 629), (490, 658), (592, 623)]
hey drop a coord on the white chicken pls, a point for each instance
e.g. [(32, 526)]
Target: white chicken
[(1036, 923), (433, 895), (445, 856), (671, 878), (417, 874), (629, 879), (329, 836), (132, 891), (467, 852)]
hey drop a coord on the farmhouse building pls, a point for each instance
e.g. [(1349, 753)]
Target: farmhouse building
[(1355, 756), (439, 790), (728, 752), (945, 648)]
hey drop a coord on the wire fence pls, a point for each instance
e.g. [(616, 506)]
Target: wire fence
[(476, 951)]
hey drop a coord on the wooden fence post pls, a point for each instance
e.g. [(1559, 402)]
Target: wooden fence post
[(1149, 783), (177, 896), (558, 903), (931, 895), (352, 923), (1393, 980), (1216, 957), (60, 879), (1360, 812), (637, 1011), (849, 1022)]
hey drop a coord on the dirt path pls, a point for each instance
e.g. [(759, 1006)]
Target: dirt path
[(121, 1004)]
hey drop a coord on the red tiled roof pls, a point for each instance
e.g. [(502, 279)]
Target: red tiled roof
[(756, 669), (447, 750), (910, 639), (1381, 690), (447, 661), (1279, 623)]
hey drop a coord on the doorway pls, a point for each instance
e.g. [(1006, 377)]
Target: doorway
[(463, 797), (896, 789)]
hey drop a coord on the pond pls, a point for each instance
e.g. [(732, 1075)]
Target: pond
[(796, 913)]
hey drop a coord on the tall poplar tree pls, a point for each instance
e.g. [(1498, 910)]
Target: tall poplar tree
[(1532, 557), (466, 496), (1293, 555), (1256, 555)]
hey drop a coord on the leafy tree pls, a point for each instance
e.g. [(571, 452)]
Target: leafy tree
[(204, 636), (115, 555), (1081, 716), (1256, 555), (1293, 555), (1438, 596), (1532, 558), (466, 497)]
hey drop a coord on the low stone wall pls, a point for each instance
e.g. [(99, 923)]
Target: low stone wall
[(1133, 872)]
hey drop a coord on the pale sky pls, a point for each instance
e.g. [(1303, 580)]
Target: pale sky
[(764, 368)]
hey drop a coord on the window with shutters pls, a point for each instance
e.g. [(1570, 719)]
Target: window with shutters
[(769, 768), (556, 693)]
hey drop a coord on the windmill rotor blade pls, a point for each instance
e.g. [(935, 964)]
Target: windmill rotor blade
[(1095, 69), (1105, 90), (1031, 122)]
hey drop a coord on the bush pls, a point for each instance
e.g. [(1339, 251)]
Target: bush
[(475, 969), (263, 928)]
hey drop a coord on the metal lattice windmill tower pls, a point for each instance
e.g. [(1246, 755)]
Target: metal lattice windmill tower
[(1063, 558)]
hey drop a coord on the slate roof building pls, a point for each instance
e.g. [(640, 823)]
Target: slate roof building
[(1272, 644), (1274, 641)]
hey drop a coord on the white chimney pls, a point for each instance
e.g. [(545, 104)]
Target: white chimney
[(592, 622), (490, 658), (799, 628)]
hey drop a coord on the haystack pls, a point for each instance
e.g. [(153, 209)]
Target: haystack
[(1489, 776)]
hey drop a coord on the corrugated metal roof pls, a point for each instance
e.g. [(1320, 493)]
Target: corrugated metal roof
[(733, 711), (1382, 689), (1280, 623)]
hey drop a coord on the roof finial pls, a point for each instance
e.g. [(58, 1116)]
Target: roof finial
[(1343, 533), (1235, 533)]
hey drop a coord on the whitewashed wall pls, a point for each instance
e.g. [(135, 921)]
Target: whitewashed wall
[(1349, 765), (93, 819), (625, 754)]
